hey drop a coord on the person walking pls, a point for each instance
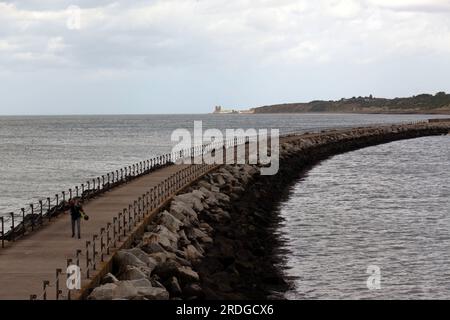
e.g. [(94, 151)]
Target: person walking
[(75, 215)]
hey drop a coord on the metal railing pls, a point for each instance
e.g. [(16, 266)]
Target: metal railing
[(34, 216), (107, 240)]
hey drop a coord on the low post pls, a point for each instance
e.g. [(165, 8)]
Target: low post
[(32, 217), (23, 220), (70, 194), (63, 196), (77, 191), (12, 226), (57, 199), (49, 203), (78, 252), (41, 213)]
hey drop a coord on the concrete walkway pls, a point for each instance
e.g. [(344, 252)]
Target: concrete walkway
[(24, 264)]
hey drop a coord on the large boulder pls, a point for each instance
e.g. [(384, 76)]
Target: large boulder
[(174, 287), (109, 278), (191, 199), (168, 220), (132, 273), (187, 275), (120, 290), (141, 255), (104, 292), (192, 253), (124, 258), (152, 293), (183, 211)]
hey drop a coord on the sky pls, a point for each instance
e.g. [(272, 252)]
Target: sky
[(186, 56)]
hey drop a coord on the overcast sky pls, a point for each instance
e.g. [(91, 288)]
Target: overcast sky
[(186, 56)]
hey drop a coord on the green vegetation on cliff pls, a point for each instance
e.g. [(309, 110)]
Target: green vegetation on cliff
[(423, 103)]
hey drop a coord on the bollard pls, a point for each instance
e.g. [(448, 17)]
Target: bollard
[(63, 196), (98, 183), (70, 194), (77, 191), (121, 174)]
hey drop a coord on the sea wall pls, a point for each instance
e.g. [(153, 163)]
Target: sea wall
[(216, 239)]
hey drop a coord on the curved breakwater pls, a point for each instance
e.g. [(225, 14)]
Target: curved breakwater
[(215, 240)]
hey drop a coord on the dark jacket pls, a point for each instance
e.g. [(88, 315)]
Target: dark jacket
[(75, 211)]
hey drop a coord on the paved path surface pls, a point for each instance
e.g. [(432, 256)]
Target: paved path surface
[(25, 263)]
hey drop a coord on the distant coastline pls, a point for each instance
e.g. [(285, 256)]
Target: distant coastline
[(438, 103)]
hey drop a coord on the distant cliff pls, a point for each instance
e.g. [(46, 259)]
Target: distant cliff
[(423, 103)]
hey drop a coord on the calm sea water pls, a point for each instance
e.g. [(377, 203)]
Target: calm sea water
[(385, 206), (40, 156)]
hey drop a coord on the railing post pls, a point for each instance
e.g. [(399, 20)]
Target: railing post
[(49, 208), (3, 231), (94, 252), (88, 260), (70, 194), (12, 226), (78, 252), (57, 199), (58, 290), (124, 217), (102, 244), (129, 220), (63, 196), (114, 232), (23, 220), (77, 191), (32, 217), (45, 284), (69, 262), (108, 238), (119, 226)]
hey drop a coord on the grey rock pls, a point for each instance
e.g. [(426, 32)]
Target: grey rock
[(109, 278), (104, 292)]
